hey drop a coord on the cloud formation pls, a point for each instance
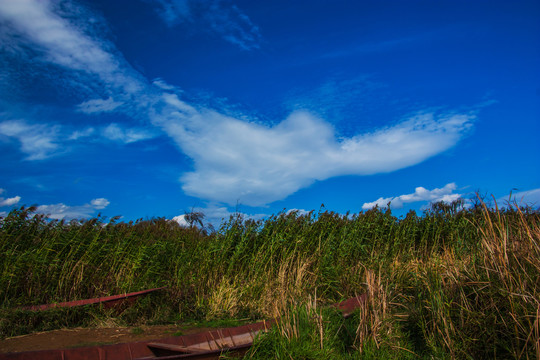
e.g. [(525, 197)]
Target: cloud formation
[(38, 141), (95, 106), (172, 12), (235, 159), (61, 41), (9, 201), (216, 16), (78, 134), (181, 220), (62, 211), (119, 133), (444, 194), (100, 203), (42, 141)]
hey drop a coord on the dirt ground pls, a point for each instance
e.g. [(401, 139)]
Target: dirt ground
[(66, 338)]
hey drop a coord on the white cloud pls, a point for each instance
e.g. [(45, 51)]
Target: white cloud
[(9, 201), (98, 106), (444, 194), (407, 143), (100, 203), (229, 22), (117, 133), (38, 141), (236, 160), (62, 211), (181, 220)]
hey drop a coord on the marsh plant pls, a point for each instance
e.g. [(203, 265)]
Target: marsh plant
[(455, 282)]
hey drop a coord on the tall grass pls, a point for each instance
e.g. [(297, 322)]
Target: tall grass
[(454, 282)]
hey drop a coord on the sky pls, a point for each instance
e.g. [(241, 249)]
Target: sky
[(155, 108)]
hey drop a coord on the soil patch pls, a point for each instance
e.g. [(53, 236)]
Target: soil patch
[(67, 338)]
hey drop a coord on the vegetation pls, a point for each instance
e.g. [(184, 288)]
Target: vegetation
[(456, 282)]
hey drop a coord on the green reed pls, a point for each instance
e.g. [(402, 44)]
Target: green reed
[(455, 281)]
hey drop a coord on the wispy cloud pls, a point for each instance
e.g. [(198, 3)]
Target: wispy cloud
[(172, 12), (383, 45), (78, 134), (62, 211), (162, 84), (421, 194), (119, 133), (218, 16), (42, 141), (337, 98), (67, 42), (38, 141), (95, 106)]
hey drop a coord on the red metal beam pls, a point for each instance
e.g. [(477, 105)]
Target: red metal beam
[(108, 301)]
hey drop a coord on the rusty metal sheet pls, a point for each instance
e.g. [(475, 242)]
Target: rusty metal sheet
[(348, 306), (108, 301), (34, 355)]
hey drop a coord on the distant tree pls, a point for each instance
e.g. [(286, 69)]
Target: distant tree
[(194, 218)]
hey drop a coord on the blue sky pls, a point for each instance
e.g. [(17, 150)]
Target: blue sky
[(147, 108)]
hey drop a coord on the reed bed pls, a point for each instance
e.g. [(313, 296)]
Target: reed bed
[(454, 282)]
